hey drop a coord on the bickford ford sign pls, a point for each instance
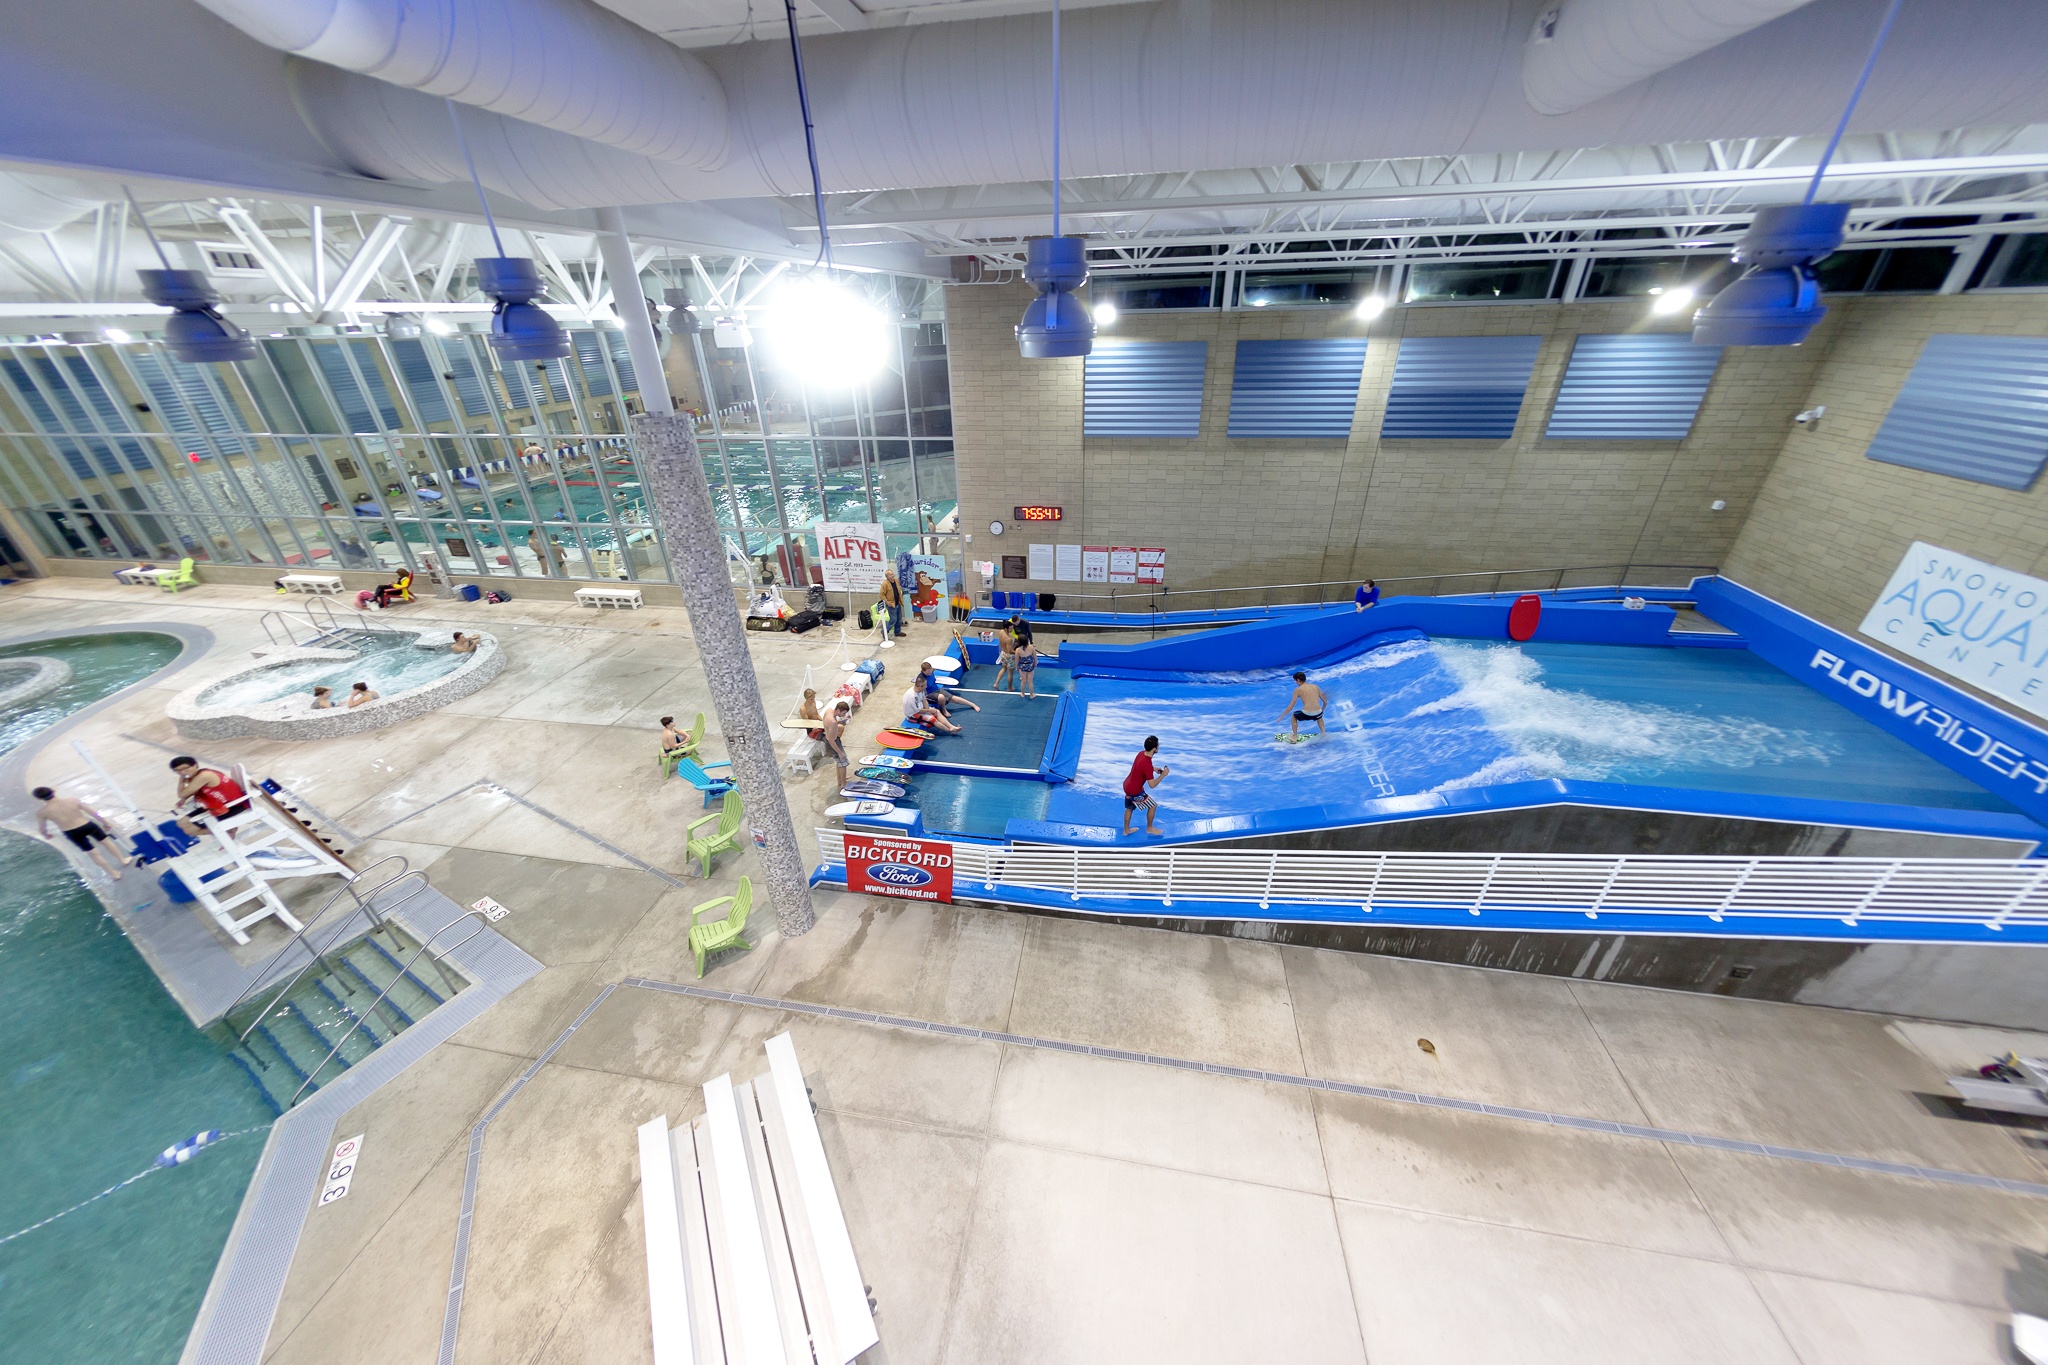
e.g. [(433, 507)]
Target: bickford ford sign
[(913, 869), (1971, 620)]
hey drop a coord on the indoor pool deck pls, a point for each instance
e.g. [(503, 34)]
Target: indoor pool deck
[(1014, 1198)]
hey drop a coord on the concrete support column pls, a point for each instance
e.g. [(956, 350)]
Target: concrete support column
[(696, 560), (617, 254)]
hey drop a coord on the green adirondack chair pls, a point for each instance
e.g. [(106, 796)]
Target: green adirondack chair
[(725, 833), (706, 939), (182, 577), (699, 776), (691, 746)]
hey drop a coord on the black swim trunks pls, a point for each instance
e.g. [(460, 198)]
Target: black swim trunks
[(1303, 715), (86, 833)]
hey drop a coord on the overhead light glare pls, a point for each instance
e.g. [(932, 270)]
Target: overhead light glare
[(439, 326), (1670, 301), (116, 335), (1371, 306), (827, 333), (1105, 313)]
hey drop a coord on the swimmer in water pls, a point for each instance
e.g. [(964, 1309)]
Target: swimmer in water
[(1307, 703)]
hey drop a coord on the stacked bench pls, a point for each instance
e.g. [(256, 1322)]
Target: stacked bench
[(320, 584), (748, 1256)]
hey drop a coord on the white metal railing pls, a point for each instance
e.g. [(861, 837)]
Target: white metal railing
[(1959, 891)]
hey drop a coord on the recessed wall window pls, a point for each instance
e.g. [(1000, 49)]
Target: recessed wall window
[(1136, 293), (1480, 281)]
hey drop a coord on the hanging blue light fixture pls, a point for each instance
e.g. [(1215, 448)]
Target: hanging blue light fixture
[(520, 328), (196, 333), (1056, 324), (1776, 302)]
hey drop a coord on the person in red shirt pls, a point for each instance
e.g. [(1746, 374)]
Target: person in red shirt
[(1144, 776)]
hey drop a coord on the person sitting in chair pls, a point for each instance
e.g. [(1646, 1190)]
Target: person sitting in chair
[(400, 591)]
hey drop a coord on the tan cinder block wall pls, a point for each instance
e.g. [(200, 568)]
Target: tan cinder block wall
[(1830, 524), (1238, 511)]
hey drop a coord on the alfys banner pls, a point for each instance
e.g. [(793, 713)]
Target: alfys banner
[(1971, 620)]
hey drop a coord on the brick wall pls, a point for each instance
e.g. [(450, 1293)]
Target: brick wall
[(1830, 525), (1238, 511)]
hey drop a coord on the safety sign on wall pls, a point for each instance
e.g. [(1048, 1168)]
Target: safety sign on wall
[(341, 1169), (1095, 564), (1123, 564), (852, 555), (1152, 566), (913, 869)]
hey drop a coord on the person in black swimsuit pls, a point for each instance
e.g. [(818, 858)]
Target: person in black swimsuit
[(81, 825)]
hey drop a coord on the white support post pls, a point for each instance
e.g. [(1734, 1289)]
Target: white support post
[(1167, 899), (627, 302), (1479, 900), (2033, 884), (1266, 895), (1870, 896), (1600, 897), (1733, 891)]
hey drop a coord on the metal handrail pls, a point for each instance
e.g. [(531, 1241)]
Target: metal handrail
[(363, 1015), (1991, 893), (264, 981), (284, 623), (1160, 599)]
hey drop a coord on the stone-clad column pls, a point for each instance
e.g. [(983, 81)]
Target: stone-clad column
[(696, 559)]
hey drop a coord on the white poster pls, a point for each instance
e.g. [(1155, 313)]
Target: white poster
[(1067, 563), (1094, 564), (1971, 620), (1151, 566), (852, 555), (1123, 565), (1042, 563)]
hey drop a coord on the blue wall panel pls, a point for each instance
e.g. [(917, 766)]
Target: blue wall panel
[(1641, 387), (1144, 388), (1296, 388), (1459, 387), (1974, 408)]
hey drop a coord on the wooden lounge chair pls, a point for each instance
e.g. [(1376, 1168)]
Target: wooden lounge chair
[(725, 833), (706, 939)]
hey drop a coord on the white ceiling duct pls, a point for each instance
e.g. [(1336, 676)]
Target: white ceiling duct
[(40, 203), (564, 64), (1209, 86), (1584, 50)]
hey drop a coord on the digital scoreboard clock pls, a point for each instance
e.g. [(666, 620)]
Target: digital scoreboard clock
[(1036, 514)]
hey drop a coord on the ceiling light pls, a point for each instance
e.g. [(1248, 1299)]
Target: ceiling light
[(116, 335), (1777, 302), (439, 326), (827, 333), (196, 332), (1672, 300), (1105, 313), (1371, 306), (1258, 303), (1056, 324), (520, 328)]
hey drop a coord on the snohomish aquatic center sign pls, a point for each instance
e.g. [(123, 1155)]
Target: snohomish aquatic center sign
[(1971, 620)]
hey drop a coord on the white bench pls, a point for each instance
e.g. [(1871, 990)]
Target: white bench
[(748, 1255), (803, 754), (137, 576), (321, 584), (608, 597)]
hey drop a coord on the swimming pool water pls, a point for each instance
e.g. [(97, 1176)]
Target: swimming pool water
[(390, 664), (100, 1071), (1424, 718), (101, 665)]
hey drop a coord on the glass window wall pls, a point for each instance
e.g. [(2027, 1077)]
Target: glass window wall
[(363, 450)]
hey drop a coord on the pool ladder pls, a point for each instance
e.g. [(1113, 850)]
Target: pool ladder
[(321, 626), (364, 981)]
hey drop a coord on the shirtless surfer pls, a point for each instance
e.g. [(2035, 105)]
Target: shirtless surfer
[(1307, 703)]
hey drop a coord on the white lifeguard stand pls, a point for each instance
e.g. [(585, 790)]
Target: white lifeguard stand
[(250, 851)]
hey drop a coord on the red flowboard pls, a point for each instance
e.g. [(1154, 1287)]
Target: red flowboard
[(915, 869), (896, 739), (1523, 616)]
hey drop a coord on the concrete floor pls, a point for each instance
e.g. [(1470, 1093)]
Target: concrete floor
[(1017, 1205)]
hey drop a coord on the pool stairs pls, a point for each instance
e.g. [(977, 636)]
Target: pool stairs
[(356, 998)]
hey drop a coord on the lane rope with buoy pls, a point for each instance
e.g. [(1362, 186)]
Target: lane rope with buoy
[(177, 1154)]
